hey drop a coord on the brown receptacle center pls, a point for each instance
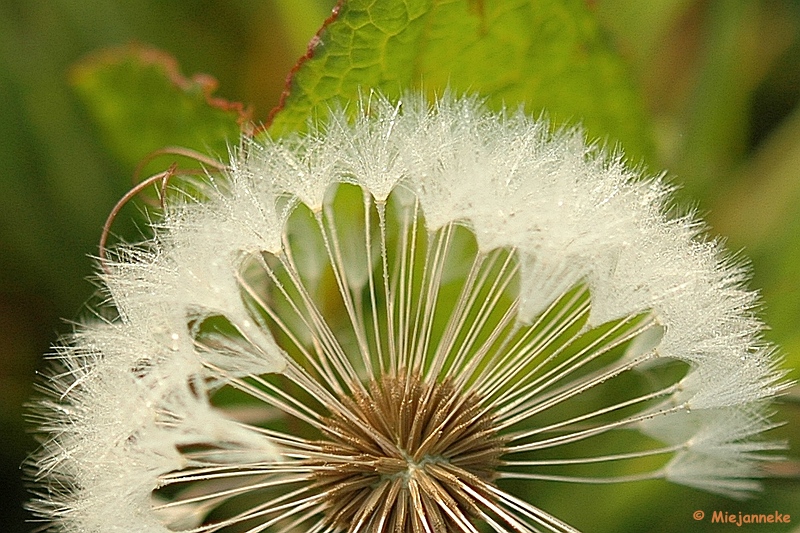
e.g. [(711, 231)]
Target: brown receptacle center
[(408, 453)]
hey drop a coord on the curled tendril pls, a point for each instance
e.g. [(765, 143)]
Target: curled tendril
[(180, 151), (162, 177)]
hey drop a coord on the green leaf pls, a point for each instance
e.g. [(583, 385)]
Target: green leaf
[(142, 103), (548, 55)]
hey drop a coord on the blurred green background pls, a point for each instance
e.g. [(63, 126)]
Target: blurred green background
[(720, 78)]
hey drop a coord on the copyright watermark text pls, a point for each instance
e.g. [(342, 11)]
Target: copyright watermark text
[(740, 518)]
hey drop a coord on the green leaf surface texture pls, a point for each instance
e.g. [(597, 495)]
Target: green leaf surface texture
[(549, 56)]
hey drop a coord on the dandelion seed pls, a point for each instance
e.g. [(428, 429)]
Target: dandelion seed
[(402, 323)]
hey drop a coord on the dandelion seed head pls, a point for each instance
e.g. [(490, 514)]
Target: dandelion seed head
[(408, 318)]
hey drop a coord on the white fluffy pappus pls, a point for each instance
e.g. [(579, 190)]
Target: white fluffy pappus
[(402, 321)]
